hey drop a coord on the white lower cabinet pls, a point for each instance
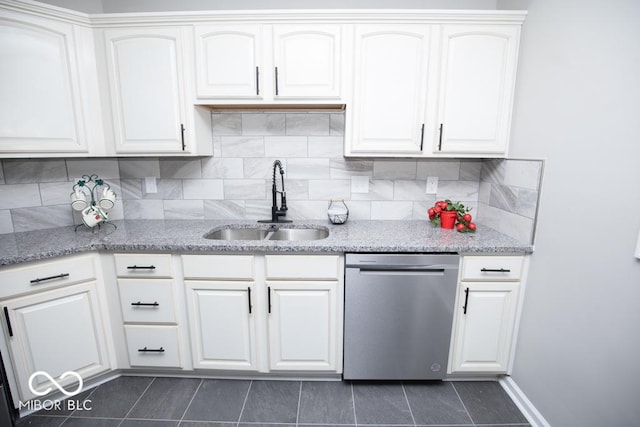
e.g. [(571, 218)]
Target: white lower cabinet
[(153, 346), (55, 330), (303, 321), (484, 331), (485, 321), (252, 313), (149, 310), (222, 325)]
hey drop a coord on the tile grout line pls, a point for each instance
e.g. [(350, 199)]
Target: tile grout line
[(137, 400), (463, 405), (408, 404), (353, 400), (246, 397), (299, 400), (74, 411), (191, 401)]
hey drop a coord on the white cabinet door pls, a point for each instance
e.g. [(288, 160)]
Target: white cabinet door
[(390, 85), (145, 68), (307, 61), (40, 99), (229, 61), (267, 63), (477, 77), (303, 325), (55, 332), (222, 324), (484, 326)]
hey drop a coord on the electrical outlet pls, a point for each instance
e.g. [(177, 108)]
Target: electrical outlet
[(150, 184), (432, 185)]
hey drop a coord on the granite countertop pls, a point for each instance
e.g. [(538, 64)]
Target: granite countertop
[(187, 236)]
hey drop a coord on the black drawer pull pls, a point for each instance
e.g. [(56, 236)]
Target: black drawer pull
[(495, 270), (145, 304), (466, 301), (249, 298), (9, 328), (257, 80), (59, 276), (151, 350), (141, 267)]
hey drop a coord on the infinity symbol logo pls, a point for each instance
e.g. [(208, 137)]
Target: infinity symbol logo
[(55, 383)]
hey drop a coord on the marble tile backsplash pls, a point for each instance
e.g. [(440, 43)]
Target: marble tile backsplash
[(509, 193), (236, 182)]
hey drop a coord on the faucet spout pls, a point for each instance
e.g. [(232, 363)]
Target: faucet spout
[(277, 212)]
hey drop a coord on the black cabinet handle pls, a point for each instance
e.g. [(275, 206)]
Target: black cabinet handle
[(6, 316), (440, 138), (495, 270), (249, 298), (59, 276), (466, 301), (151, 350), (276, 73), (257, 80), (145, 304), (269, 298), (182, 136), (141, 267), (422, 137)]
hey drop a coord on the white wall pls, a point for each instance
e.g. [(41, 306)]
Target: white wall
[(578, 107), (86, 6)]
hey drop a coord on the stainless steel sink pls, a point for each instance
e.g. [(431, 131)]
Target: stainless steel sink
[(281, 234), (299, 234), (237, 234)]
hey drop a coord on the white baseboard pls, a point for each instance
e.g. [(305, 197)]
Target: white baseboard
[(526, 407)]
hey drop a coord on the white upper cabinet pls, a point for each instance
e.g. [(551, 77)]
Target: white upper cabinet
[(477, 76), (228, 61), (267, 63), (307, 61), (145, 69), (43, 95), (390, 88), (433, 90)]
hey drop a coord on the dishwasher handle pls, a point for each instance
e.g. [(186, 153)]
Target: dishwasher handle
[(394, 268), (404, 272)]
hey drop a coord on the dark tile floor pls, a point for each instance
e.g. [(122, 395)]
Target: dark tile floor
[(189, 402)]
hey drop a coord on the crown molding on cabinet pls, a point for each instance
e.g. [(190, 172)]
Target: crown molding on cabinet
[(102, 20)]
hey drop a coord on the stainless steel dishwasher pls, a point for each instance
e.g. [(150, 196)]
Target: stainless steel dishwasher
[(398, 315)]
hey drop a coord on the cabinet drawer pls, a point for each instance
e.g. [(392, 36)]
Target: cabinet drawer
[(147, 301), (153, 346), (230, 267), (143, 265), (41, 275), (492, 268), (318, 267)]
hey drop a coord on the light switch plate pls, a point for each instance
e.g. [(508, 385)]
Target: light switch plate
[(359, 184), (150, 184), (432, 185)]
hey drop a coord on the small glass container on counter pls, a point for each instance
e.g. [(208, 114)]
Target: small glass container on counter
[(338, 212)]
